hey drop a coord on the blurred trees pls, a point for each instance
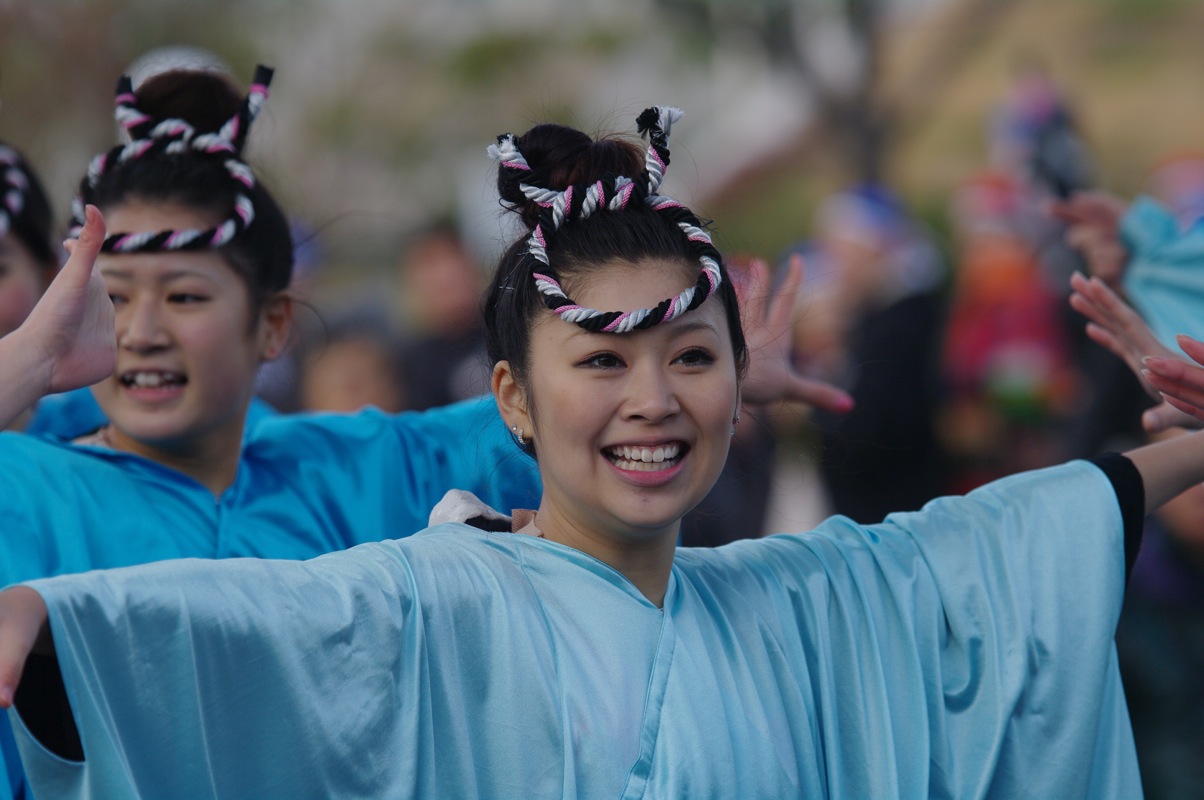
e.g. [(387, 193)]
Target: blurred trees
[(835, 49)]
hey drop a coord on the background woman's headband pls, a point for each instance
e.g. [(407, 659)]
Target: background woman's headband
[(175, 137)]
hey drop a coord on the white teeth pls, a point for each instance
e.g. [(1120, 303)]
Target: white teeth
[(150, 380), (645, 458)]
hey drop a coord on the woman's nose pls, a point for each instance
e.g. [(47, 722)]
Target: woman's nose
[(651, 395), (140, 327)]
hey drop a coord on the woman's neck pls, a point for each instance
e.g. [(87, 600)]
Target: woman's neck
[(645, 561), (211, 461)]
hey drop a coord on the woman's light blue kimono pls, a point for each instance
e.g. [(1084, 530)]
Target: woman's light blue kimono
[(961, 651), (1165, 274), (306, 485)]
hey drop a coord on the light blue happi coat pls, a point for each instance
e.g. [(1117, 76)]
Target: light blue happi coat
[(306, 485), (1164, 278), (962, 651)]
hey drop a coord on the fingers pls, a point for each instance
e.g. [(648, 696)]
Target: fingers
[(1094, 299), (85, 249), (1178, 378), (1093, 207), (821, 395), (1188, 410), (1165, 416), (781, 309), (1193, 348), (1101, 336), (751, 292)]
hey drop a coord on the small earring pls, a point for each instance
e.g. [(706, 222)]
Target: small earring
[(518, 434), (735, 422)]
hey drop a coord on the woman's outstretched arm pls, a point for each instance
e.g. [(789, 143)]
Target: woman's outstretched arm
[(68, 340), (1169, 467)]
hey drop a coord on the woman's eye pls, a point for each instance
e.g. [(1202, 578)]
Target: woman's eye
[(116, 299), (185, 297), (696, 357), (603, 361)]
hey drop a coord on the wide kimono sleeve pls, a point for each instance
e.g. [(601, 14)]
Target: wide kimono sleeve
[(1165, 274), (320, 650), (964, 650)]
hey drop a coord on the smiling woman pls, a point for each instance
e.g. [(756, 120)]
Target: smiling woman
[(965, 650), (198, 261), (190, 343)]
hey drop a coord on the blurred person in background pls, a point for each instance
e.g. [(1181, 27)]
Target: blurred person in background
[(874, 328), (28, 253), (1151, 249), (1006, 359), (1160, 643), (357, 365), (1034, 136), (1038, 147), (443, 359)]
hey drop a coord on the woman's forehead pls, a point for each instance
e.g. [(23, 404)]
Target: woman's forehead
[(622, 285), (137, 216)]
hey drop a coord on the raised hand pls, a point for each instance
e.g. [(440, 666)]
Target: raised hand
[(1116, 326), (1093, 228), (1180, 384), (69, 339), (767, 318), (74, 319)]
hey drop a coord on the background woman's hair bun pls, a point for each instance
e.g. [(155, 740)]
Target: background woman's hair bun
[(205, 99)]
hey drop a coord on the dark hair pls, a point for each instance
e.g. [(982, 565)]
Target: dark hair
[(29, 216), (262, 252), (559, 157)]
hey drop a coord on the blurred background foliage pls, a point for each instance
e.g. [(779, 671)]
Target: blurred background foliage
[(381, 109)]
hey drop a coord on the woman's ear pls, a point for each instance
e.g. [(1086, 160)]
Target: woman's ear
[(511, 398), (275, 325)]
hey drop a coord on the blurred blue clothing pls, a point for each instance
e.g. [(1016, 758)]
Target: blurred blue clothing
[(306, 485), (70, 415), (964, 650), (1165, 274)]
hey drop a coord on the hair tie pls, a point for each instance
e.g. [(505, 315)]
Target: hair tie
[(175, 137), (581, 202)]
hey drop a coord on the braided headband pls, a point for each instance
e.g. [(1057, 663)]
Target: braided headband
[(579, 202), (177, 137), (14, 183)]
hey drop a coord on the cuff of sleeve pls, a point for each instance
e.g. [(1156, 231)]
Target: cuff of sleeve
[(1130, 494)]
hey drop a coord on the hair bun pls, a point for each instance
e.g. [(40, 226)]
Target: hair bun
[(205, 99), (556, 157)]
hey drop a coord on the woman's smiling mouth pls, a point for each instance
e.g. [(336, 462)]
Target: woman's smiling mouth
[(638, 458)]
